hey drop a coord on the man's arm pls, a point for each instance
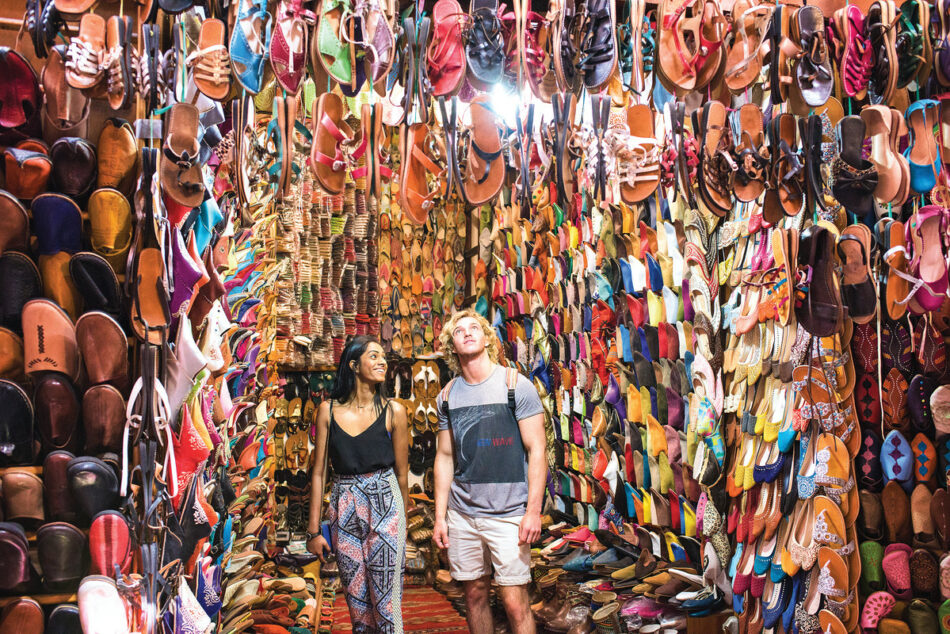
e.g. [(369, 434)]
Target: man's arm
[(443, 471), (534, 441)]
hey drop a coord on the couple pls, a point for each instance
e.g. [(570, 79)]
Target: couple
[(490, 472)]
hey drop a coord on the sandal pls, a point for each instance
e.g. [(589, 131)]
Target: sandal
[(752, 167), (180, 170), (599, 48), (250, 41), (484, 47), (332, 39), (853, 51), (331, 133), (813, 70), (83, 70), (445, 55), (567, 35), (744, 59), (416, 196), (821, 311), (638, 159), (880, 24), (485, 168), (877, 119), (117, 62), (715, 161), (288, 45), (923, 153), (211, 65), (786, 196), (858, 290), (854, 178)]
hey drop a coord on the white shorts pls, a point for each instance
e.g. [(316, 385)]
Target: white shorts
[(472, 540)]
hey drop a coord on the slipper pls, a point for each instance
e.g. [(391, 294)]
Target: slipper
[(897, 518), (57, 224), (876, 607), (110, 221), (49, 339), (20, 281), (896, 566), (14, 224)]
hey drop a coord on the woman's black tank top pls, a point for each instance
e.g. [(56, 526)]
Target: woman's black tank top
[(370, 450)]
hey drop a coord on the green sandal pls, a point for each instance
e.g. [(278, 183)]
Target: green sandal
[(335, 55)]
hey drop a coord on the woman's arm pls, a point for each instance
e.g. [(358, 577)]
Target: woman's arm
[(400, 438), (318, 468)]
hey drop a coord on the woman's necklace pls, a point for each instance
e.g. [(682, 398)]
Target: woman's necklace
[(361, 407)]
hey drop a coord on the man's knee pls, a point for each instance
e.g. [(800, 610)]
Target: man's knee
[(476, 590), (515, 599)]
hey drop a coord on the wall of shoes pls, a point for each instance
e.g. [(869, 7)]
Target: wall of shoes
[(714, 234)]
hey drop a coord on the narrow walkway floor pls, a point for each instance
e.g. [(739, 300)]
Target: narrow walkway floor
[(423, 610)]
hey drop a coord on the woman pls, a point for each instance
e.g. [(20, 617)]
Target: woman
[(366, 439)]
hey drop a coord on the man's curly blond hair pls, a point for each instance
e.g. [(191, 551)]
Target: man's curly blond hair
[(448, 344)]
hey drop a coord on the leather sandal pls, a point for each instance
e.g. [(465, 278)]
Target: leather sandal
[(881, 26), (211, 64), (331, 133), (786, 194), (853, 51), (484, 49), (752, 167), (117, 62), (288, 46), (445, 54), (813, 70), (744, 58), (639, 159), (877, 120), (180, 171), (855, 178), (858, 291), (83, 68), (821, 311), (415, 194), (715, 162), (485, 168), (565, 44)]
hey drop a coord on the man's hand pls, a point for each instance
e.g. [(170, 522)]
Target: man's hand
[(319, 547), (440, 533), (530, 528)]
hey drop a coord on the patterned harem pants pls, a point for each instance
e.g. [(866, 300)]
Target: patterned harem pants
[(368, 530)]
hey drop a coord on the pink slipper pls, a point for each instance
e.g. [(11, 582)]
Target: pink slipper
[(645, 607), (877, 606), (896, 566)]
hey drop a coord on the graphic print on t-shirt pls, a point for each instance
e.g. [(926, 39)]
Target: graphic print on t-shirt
[(488, 445)]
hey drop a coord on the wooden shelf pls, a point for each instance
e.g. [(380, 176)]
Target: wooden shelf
[(42, 599), (38, 470)]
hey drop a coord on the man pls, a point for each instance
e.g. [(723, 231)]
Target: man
[(490, 471)]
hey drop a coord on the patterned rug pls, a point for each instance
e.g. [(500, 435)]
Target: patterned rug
[(423, 610)]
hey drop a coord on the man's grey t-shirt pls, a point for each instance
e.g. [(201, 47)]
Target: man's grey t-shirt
[(491, 477)]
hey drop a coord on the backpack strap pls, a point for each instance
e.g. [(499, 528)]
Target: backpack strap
[(511, 380), (444, 395)]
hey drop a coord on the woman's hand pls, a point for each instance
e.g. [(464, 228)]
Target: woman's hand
[(319, 547)]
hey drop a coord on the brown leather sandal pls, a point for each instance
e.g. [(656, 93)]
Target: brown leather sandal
[(415, 195), (485, 169)]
